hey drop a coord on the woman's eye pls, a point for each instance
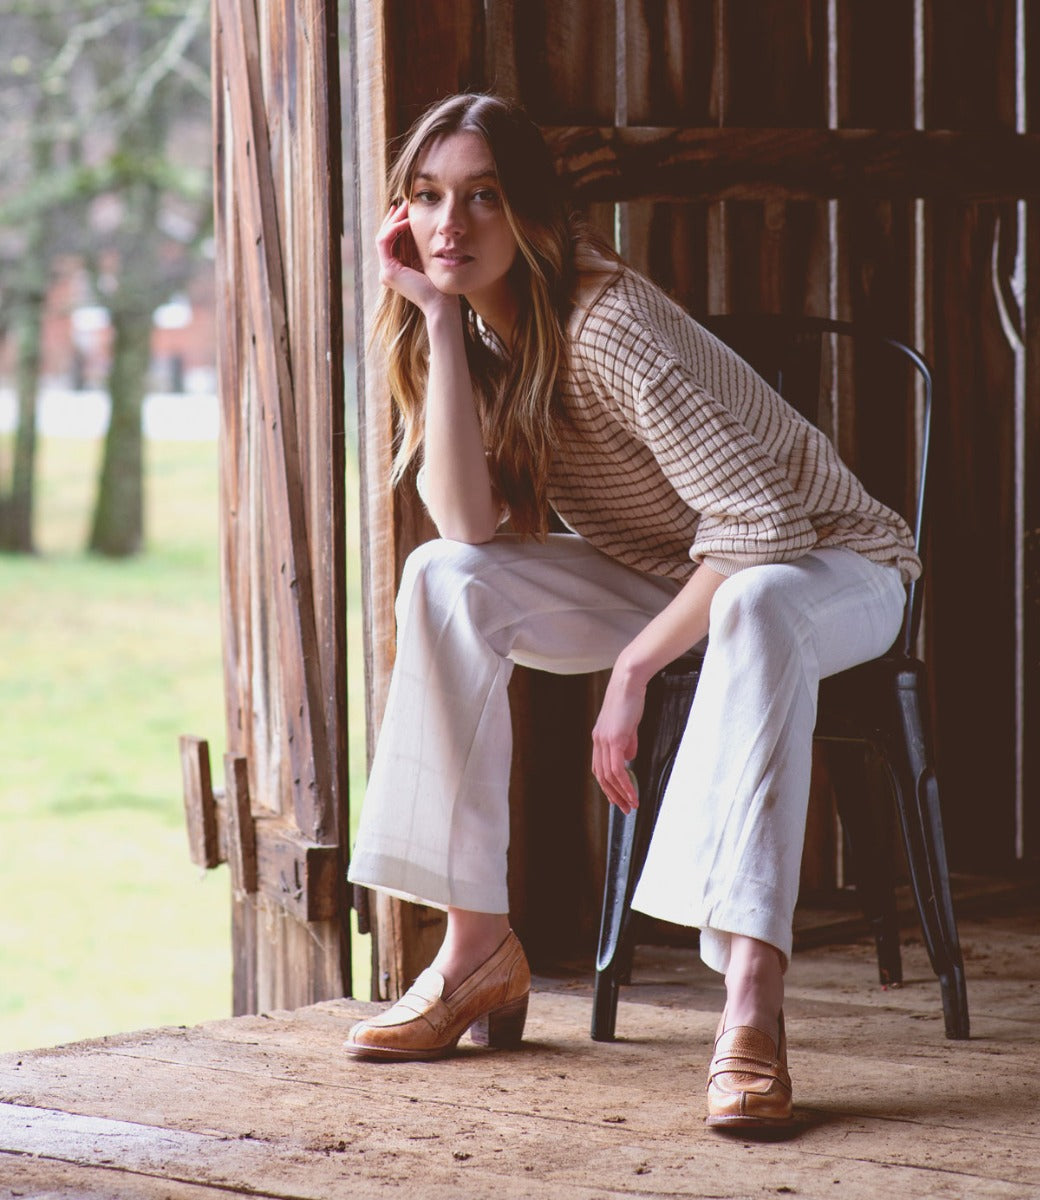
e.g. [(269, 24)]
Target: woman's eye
[(486, 196), (424, 196)]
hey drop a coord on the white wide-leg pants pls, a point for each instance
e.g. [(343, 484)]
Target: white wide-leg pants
[(726, 853)]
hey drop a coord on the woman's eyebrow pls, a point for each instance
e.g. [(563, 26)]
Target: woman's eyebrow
[(484, 173)]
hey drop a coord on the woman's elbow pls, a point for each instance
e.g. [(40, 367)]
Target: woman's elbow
[(471, 532)]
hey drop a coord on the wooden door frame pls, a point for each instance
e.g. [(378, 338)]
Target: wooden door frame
[(281, 820)]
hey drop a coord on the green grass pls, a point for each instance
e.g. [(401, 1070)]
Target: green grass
[(105, 924)]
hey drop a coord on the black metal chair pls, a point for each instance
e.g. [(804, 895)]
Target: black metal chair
[(878, 708)]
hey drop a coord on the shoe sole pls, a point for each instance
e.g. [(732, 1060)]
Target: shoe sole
[(388, 1054), (761, 1127), (500, 1029)]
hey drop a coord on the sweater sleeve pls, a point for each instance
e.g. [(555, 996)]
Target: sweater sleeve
[(748, 511)]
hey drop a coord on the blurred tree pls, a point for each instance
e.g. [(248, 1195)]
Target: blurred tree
[(24, 280), (104, 118)]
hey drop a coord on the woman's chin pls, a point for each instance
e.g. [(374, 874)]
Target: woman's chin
[(449, 282)]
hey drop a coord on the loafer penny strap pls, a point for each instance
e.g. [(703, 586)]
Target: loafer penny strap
[(422, 1000), (744, 1065), (747, 1051)]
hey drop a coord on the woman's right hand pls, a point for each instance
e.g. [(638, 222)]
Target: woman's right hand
[(399, 265)]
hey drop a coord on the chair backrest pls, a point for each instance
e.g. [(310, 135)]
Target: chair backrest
[(870, 393)]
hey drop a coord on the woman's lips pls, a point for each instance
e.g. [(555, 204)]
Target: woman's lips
[(453, 258)]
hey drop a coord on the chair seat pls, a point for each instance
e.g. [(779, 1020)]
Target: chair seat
[(852, 703)]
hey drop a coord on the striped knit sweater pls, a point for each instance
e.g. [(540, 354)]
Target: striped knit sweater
[(674, 452)]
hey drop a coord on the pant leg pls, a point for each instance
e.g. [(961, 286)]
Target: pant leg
[(726, 853), (435, 822)]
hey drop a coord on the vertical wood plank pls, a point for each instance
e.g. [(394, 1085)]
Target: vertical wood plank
[(501, 71), (234, 498), (773, 73), (1028, 834), (974, 449), (282, 465), (875, 268), (1027, 846), (375, 421), (565, 61), (241, 834), (668, 79), (318, 347), (433, 50), (199, 805), (265, 292)]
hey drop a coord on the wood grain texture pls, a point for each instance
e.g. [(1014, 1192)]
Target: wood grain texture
[(265, 295), (757, 158), (241, 832), (270, 1106), (976, 447), (676, 164), (279, 218), (200, 808)]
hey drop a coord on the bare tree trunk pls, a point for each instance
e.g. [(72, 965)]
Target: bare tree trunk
[(118, 525), (18, 510), (16, 515)]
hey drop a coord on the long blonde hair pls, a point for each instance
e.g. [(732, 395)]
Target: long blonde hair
[(517, 395)]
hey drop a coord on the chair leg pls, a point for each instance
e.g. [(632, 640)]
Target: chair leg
[(628, 840), (910, 762), (868, 835), (952, 981), (611, 956)]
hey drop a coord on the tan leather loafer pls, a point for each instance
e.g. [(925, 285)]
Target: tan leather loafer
[(749, 1086), (491, 1003)]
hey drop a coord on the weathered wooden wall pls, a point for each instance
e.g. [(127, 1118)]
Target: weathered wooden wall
[(873, 162), (278, 229)]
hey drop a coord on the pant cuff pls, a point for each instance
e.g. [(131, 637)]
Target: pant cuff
[(407, 881)]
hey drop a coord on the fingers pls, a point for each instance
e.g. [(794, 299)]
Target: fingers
[(610, 766), (394, 226)]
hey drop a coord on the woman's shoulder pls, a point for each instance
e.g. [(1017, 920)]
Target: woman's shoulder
[(619, 311)]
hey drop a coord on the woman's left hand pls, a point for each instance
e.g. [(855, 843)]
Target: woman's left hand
[(614, 739)]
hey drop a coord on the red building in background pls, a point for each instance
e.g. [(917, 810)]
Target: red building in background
[(77, 336)]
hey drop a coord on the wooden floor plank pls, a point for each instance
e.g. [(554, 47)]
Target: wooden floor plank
[(45, 1179), (270, 1105)]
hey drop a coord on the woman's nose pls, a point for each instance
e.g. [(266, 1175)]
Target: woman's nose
[(452, 216)]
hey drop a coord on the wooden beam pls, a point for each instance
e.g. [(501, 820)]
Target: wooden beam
[(265, 854), (200, 807), (241, 833), (676, 164), (302, 876)]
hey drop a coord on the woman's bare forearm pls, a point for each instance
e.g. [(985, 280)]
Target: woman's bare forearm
[(458, 486), (677, 627)]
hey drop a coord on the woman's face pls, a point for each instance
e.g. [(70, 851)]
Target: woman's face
[(459, 224)]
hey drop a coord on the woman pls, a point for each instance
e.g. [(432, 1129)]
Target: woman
[(532, 369)]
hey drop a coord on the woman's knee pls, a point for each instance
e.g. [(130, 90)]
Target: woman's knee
[(440, 569), (755, 602)]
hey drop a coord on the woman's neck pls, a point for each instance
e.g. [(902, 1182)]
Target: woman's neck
[(499, 311)]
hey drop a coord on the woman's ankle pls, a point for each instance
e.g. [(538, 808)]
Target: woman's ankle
[(470, 940), (754, 986)]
